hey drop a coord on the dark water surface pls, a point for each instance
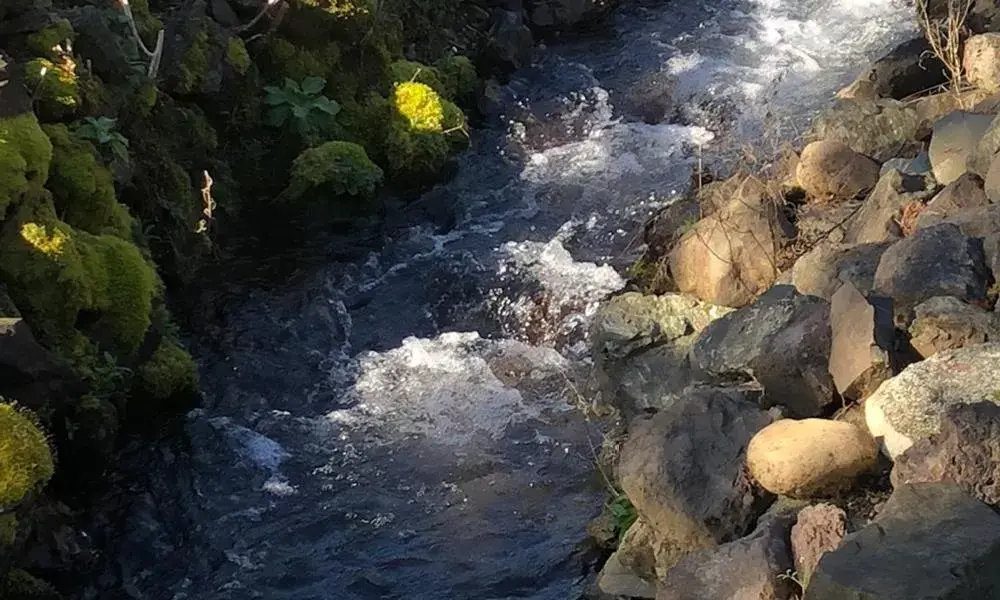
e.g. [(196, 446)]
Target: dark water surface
[(405, 426)]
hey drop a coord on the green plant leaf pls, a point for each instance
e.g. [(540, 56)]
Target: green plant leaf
[(292, 85), (327, 106), (313, 85)]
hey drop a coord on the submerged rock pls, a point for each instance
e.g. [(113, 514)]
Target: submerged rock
[(910, 406), (931, 541), (683, 469), (782, 341), (810, 458)]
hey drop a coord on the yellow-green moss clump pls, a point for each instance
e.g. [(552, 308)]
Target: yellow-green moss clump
[(419, 106), (334, 169), (416, 145), (84, 189), (404, 71), (25, 459), (19, 585), (169, 373), (55, 84), (341, 8), (54, 272), (43, 43), (237, 56), (25, 153)]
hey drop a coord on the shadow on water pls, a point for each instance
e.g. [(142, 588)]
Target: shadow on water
[(401, 422)]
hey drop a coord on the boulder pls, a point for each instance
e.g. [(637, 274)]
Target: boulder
[(909, 69), (822, 270), (640, 346), (819, 529), (981, 61), (946, 323), (810, 458), (616, 580), (746, 568), (936, 261), (963, 452), (955, 137), (509, 42), (980, 159), (638, 549), (982, 16), (974, 222), (831, 170), (684, 471), (881, 129), (991, 249), (991, 182), (910, 406), (782, 341), (931, 541), (730, 256), (863, 342), (879, 218), (652, 98), (964, 193)]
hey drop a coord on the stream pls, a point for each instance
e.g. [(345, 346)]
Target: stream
[(408, 425)]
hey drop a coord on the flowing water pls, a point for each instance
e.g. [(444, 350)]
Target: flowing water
[(406, 425)]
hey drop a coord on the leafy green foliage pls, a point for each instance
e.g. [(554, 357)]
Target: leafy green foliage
[(304, 105), (101, 131), (623, 513)]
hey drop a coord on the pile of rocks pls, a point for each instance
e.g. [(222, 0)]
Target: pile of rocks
[(815, 411)]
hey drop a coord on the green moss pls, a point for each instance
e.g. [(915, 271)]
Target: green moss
[(415, 154), (43, 43), (145, 98), (455, 125), (84, 189), (341, 8), (94, 425), (403, 71), (237, 56), (55, 85), (25, 153), (54, 272), (20, 585), (365, 122), (284, 59), (334, 169), (8, 529), (147, 24), (194, 63), (169, 373), (25, 459), (459, 77)]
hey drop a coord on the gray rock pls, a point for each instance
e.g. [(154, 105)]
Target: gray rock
[(917, 165), (991, 250), (822, 270), (683, 469), (980, 158), (976, 222), (910, 406), (746, 568), (782, 341), (946, 323), (615, 580), (819, 222), (956, 136), (931, 541), (937, 261), (569, 14), (863, 343), (652, 378), (964, 453), (991, 182), (908, 69), (882, 129), (879, 218), (964, 193), (819, 529), (509, 42), (638, 549)]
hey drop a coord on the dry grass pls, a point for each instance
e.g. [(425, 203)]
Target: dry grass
[(945, 36)]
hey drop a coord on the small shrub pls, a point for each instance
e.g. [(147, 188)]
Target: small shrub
[(102, 132), (303, 105), (337, 169), (25, 460)]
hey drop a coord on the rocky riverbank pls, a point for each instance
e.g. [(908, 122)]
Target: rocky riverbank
[(807, 359)]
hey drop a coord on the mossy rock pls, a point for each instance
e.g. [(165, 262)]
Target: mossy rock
[(42, 43), (237, 56), (25, 459), (25, 153), (338, 171), (416, 145), (169, 373), (83, 188), (404, 71), (55, 273), (459, 77), (56, 86), (282, 59), (20, 585), (365, 122)]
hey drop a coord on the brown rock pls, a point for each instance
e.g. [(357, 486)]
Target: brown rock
[(982, 61), (617, 580), (956, 137), (637, 552), (811, 457), (963, 193), (863, 340), (822, 270), (830, 169), (819, 529), (963, 452), (946, 323), (731, 256), (746, 568), (879, 217)]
